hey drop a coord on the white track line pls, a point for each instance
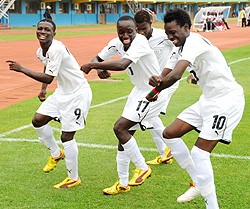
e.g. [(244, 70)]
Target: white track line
[(239, 60), (107, 146), (101, 146)]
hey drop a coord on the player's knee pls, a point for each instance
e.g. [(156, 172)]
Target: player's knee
[(67, 136), (35, 121), (117, 128), (168, 133)]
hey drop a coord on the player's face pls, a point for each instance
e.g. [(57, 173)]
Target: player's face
[(176, 33), (126, 31), (44, 32), (144, 29)]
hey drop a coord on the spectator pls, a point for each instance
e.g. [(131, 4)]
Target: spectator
[(243, 17), (47, 13), (248, 20), (204, 20), (209, 25), (234, 14), (223, 19)]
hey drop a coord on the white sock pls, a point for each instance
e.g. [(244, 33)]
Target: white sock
[(205, 176), (211, 201), (123, 161), (157, 136), (71, 158), (132, 150), (45, 134), (181, 154)]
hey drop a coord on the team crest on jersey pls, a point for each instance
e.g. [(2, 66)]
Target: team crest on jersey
[(157, 51)]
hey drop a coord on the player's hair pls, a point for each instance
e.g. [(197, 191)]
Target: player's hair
[(50, 21), (179, 15), (126, 17), (142, 16)]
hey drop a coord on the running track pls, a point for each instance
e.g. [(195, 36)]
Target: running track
[(16, 87)]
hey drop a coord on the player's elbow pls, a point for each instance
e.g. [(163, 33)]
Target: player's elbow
[(48, 79), (124, 63), (123, 66)]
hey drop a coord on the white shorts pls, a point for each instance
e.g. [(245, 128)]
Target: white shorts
[(70, 110), (139, 109), (171, 91), (215, 120)]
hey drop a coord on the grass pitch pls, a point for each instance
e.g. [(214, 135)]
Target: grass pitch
[(25, 185)]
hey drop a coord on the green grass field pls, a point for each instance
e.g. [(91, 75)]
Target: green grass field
[(25, 185)]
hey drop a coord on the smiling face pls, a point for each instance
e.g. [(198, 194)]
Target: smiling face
[(144, 29), (126, 31), (176, 33), (45, 33)]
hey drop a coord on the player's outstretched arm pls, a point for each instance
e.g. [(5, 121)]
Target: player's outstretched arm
[(116, 65), (102, 74), (43, 92), (42, 77)]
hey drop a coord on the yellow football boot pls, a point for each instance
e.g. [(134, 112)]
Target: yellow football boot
[(116, 189), (68, 182), (53, 161)]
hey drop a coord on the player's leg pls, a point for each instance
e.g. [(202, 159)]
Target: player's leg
[(225, 115), (71, 159), (178, 148), (45, 133), (128, 143), (121, 185), (73, 110), (205, 177), (127, 150), (165, 153)]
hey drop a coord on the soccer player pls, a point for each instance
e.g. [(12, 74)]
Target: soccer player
[(141, 63), (69, 104), (215, 115), (162, 47)]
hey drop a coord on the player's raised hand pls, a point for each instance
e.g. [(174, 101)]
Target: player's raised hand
[(191, 77), (13, 65), (103, 74), (154, 80), (86, 68), (42, 95)]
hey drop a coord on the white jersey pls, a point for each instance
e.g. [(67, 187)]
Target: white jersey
[(61, 64), (144, 62), (162, 47), (208, 66)]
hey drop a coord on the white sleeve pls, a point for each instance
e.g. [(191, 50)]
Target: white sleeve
[(173, 58), (193, 47), (54, 60), (109, 51)]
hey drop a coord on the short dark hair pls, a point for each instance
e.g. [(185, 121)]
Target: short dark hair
[(179, 15), (142, 16), (126, 17), (50, 21)]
